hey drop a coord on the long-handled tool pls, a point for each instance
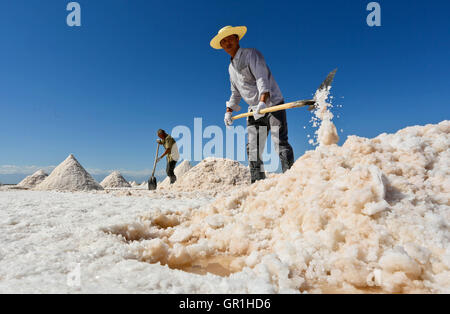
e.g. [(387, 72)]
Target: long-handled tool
[(310, 103), (152, 181)]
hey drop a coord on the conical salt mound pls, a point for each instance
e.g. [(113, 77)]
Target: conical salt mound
[(33, 180), (69, 176), (115, 180), (133, 183)]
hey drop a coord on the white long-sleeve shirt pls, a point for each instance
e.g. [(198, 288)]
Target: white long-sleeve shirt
[(250, 77)]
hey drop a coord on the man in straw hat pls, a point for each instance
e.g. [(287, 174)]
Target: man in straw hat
[(252, 80)]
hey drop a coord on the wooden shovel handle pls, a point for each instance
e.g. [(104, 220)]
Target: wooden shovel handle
[(295, 104), (154, 163)]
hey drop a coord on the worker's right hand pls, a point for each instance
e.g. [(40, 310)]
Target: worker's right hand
[(159, 141), (257, 110), (228, 121)]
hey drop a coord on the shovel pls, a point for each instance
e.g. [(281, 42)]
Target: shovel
[(310, 103), (152, 181)]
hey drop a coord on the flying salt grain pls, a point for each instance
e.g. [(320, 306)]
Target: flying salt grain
[(33, 180), (372, 214), (69, 176), (327, 133), (115, 180)]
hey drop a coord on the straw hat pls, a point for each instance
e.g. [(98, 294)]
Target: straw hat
[(225, 32)]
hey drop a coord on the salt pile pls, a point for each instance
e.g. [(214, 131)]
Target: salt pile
[(133, 184), (115, 180), (69, 176), (372, 215), (179, 171), (213, 175), (33, 180)]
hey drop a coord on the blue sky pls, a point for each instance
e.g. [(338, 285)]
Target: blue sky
[(100, 91)]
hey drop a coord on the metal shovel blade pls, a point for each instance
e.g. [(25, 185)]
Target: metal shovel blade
[(152, 181), (152, 184), (325, 85)]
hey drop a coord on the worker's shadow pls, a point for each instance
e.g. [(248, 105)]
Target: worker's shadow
[(393, 194)]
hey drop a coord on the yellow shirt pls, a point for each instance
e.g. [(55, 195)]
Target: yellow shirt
[(169, 142)]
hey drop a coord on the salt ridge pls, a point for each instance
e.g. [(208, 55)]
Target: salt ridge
[(213, 175), (179, 171)]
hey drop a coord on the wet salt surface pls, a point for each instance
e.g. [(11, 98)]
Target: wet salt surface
[(47, 236), (218, 265), (44, 235), (371, 216)]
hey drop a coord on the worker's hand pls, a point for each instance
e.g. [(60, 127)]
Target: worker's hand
[(228, 121), (158, 159), (256, 111), (159, 141)]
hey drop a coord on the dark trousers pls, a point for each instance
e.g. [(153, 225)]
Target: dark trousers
[(258, 131), (169, 170)]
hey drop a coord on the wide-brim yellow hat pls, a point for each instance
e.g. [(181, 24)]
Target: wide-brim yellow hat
[(225, 32)]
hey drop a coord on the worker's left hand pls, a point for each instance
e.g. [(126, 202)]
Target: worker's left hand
[(256, 112), (228, 121), (158, 159)]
